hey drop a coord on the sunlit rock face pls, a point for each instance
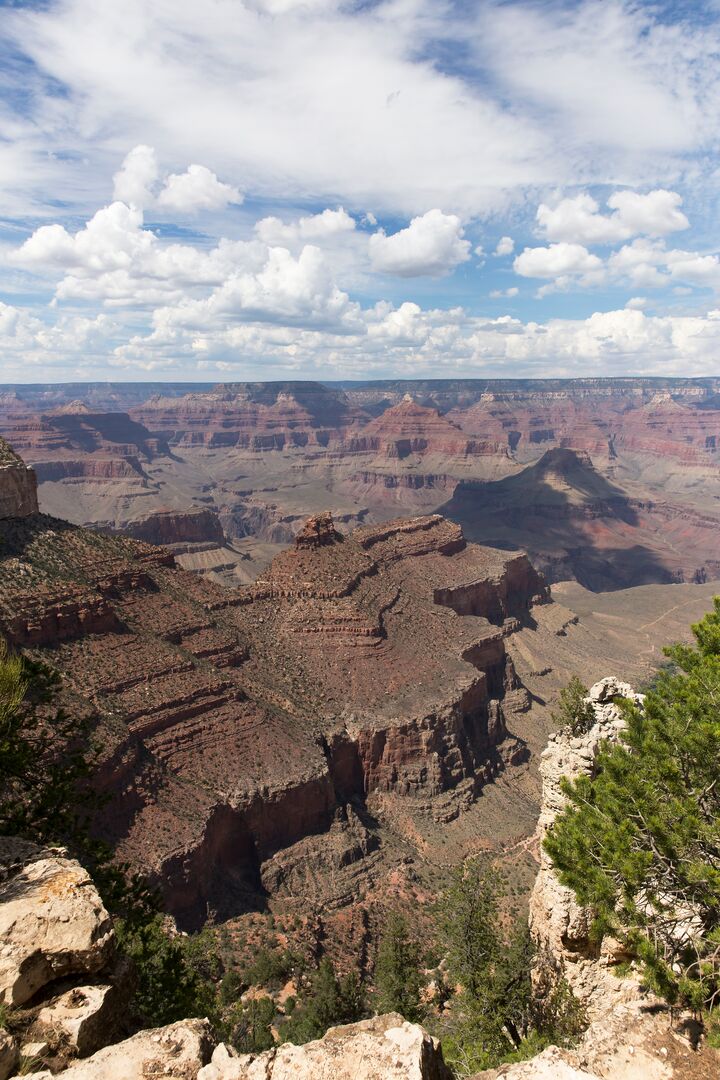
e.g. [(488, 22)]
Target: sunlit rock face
[(18, 485)]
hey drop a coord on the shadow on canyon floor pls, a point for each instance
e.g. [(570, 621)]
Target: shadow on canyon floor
[(570, 528)]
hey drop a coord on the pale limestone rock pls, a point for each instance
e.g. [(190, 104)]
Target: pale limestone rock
[(630, 1035), (87, 1016), (8, 1055), (558, 923), (52, 920), (382, 1048), (551, 1064), (175, 1052), (34, 1049)]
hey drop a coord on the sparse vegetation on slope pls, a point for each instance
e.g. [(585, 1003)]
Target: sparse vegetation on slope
[(45, 761), (497, 1015)]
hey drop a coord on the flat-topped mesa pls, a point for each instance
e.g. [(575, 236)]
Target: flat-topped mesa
[(18, 485)]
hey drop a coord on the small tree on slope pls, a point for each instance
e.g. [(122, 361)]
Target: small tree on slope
[(640, 842)]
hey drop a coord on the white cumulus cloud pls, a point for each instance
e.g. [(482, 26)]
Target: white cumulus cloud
[(285, 290), (431, 245), (555, 261), (655, 214), (578, 219), (327, 225), (136, 177), (505, 246), (197, 189)]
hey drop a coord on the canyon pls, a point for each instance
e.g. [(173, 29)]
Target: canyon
[(368, 710), (61, 967), (227, 474), (311, 715), (237, 724)]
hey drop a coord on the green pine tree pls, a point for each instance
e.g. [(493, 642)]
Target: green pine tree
[(640, 842), (326, 1002), (574, 713), (397, 971)]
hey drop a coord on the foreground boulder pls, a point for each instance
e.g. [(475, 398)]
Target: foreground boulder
[(382, 1048), (52, 920), (175, 1052), (86, 1017), (551, 1064)]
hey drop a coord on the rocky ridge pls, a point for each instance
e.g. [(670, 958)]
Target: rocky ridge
[(631, 1035)]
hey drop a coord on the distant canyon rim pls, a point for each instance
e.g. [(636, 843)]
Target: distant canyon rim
[(609, 482)]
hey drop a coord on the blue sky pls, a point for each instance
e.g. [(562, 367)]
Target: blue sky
[(407, 188)]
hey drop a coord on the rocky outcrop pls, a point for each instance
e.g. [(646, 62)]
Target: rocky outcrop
[(318, 531), (52, 921), (382, 1048), (18, 485), (631, 1033), (175, 1052), (86, 1017), (551, 1064), (176, 529), (561, 926)]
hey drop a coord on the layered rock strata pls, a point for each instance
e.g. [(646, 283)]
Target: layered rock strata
[(238, 723), (261, 457), (252, 416)]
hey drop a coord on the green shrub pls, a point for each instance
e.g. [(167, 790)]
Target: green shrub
[(574, 713)]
